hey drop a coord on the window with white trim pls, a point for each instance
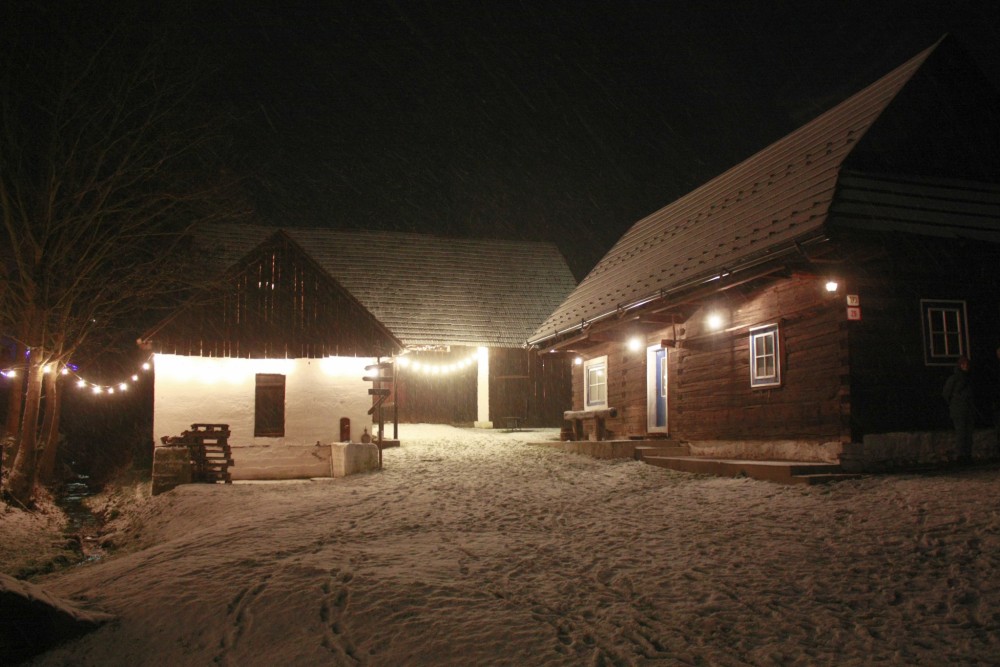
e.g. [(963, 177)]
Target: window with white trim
[(595, 383), (765, 359), (946, 333)]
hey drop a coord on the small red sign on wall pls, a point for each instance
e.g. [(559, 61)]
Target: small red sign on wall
[(853, 313)]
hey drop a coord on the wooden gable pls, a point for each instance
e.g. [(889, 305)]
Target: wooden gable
[(945, 123), (275, 303)]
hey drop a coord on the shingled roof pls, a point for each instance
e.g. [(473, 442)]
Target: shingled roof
[(779, 197), (427, 290)]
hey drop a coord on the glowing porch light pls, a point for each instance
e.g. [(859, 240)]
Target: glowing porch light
[(578, 361), (714, 321), (831, 285), (634, 344)]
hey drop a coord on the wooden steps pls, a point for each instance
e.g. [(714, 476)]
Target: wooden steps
[(678, 457), (782, 472)]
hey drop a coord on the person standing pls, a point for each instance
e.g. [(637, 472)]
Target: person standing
[(958, 393)]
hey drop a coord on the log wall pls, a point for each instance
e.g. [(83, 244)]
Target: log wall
[(709, 391)]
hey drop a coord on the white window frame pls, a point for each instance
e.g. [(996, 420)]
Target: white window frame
[(595, 365), (944, 344), (757, 378)]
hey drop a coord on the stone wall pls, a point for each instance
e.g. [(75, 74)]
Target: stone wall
[(883, 452)]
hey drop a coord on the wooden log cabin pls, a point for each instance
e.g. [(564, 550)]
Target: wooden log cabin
[(815, 295), (278, 345)]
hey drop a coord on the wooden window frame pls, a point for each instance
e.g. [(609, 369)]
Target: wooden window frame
[(597, 364), (269, 406), (766, 332), (942, 344)]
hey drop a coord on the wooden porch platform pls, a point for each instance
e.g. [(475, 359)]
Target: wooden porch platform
[(677, 457)]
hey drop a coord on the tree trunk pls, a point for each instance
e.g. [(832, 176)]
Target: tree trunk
[(21, 484), (14, 399), (49, 440)]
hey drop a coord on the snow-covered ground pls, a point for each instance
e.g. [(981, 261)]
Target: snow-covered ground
[(476, 548)]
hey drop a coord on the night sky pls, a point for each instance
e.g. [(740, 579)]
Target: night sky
[(563, 121)]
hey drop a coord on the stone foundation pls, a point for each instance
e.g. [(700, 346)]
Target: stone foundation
[(768, 450), (349, 458), (883, 452), (171, 467), (258, 462)]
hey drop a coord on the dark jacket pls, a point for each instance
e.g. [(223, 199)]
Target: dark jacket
[(958, 392)]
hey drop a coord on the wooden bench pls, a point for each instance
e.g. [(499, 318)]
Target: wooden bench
[(578, 417)]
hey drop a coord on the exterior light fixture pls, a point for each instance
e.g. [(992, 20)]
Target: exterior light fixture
[(831, 286), (714, 321), (578, 361), (634, 344)]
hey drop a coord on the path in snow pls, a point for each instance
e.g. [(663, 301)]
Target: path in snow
[(475, 548)]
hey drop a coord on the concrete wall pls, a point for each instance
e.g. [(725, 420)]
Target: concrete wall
[(318, 392)]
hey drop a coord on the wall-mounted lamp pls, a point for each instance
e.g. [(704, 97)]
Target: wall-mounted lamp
[(832, 286), (714, 321), (578, 361), (634, 344)]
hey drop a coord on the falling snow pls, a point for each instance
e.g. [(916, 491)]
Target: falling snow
[(475, 547)]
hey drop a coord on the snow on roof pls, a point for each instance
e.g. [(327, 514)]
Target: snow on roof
[(774, 198), (428, 290)]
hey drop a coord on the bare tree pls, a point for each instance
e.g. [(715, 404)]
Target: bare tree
[(104, 166)]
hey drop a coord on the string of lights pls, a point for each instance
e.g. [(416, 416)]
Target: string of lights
[(82, 383), (423, 367), (437, 369)]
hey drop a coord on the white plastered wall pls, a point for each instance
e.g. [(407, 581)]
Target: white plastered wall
[(318, 393)]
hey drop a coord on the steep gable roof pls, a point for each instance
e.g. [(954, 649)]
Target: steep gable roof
[(427, 290), (772, 202), (273, 302)]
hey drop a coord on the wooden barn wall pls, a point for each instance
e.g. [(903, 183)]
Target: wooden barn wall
[(278, 306), (437, 399), (531, 387), (892, 388), (710, 396)]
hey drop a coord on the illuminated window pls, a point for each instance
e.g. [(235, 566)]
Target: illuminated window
[(269, 406), (945, 331), (765, 362), (595, 383)]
